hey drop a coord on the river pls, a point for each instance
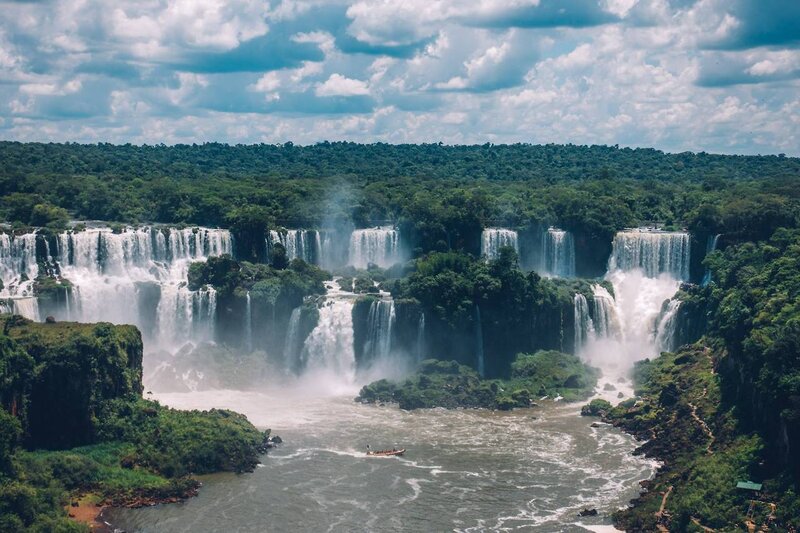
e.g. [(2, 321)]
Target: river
[(464, 470)]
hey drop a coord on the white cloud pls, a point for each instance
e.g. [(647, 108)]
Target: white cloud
[(338, 85)]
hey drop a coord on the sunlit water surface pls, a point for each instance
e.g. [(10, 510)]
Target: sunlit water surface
[(465, 470)]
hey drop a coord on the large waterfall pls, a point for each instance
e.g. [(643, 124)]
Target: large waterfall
[(299, 244), (645, 269), (329, 348), (380, 322), (654, 252), (492, 239), (558, 254), (380, 246), (18, 270), (134, 276)]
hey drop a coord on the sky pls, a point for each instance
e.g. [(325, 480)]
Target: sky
[(678, 75)]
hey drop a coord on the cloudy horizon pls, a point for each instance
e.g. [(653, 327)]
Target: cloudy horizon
[(676, 75)]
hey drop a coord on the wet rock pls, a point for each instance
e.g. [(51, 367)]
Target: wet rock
[(621, 380), (588, 512), (620, 395), (595, 425), (50, 320), (608, 387), (276, 440)]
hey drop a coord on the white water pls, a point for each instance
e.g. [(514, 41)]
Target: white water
[(328, 349), (558, 254), (666, 327), (492, 239), (584, 326), (654, 252), (379, 246), (299, 244), (645, 270), (291, 345), (139, 277), (18, 267), (380, 323)]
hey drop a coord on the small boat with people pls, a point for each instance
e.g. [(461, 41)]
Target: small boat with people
[(385, 453)]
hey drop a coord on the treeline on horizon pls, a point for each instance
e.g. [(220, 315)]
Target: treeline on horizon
[(440, 196)]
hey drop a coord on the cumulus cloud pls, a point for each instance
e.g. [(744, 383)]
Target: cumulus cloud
[(714, 75), (338, 85)]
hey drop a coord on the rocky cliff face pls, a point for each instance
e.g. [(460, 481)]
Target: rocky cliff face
[(72, 370)]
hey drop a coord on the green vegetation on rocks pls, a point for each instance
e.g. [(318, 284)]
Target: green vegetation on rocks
[(451, 385), (73, 422)]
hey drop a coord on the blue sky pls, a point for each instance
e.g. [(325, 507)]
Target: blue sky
[(713, 75)]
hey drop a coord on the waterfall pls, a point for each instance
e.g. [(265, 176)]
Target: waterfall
[(479, 342), (379, 329), (290, 345), (138, 276), (421, 338), (492, 239), (558, 253), (605, 321), (248, 324), (298, 243), (583, 321), (666, 327), (654, 252), (380, 246), (711, 245), (27, 307), (18, 266), (329, 347)]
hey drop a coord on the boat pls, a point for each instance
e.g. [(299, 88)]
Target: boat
[(386, 453)]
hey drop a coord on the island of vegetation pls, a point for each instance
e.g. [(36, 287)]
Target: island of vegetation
[(76, 432), (545, 374)]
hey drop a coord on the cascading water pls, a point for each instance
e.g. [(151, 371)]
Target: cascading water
[(606, 321), (666, 327), (481, 363), (139, 277), (584, 327), (291, 344), (558, 254), (711, 245), (298, 243), (654, 252), (380, 246), (645, 270), (18, 270), (329, 349), (380, 322), (492, 239)]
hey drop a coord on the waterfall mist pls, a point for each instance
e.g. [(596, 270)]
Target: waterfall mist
[(645, 270)]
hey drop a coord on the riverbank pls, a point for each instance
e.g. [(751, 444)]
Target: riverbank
[(679, 418)]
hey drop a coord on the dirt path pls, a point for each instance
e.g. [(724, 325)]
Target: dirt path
[(660, 513), (703, 425)]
